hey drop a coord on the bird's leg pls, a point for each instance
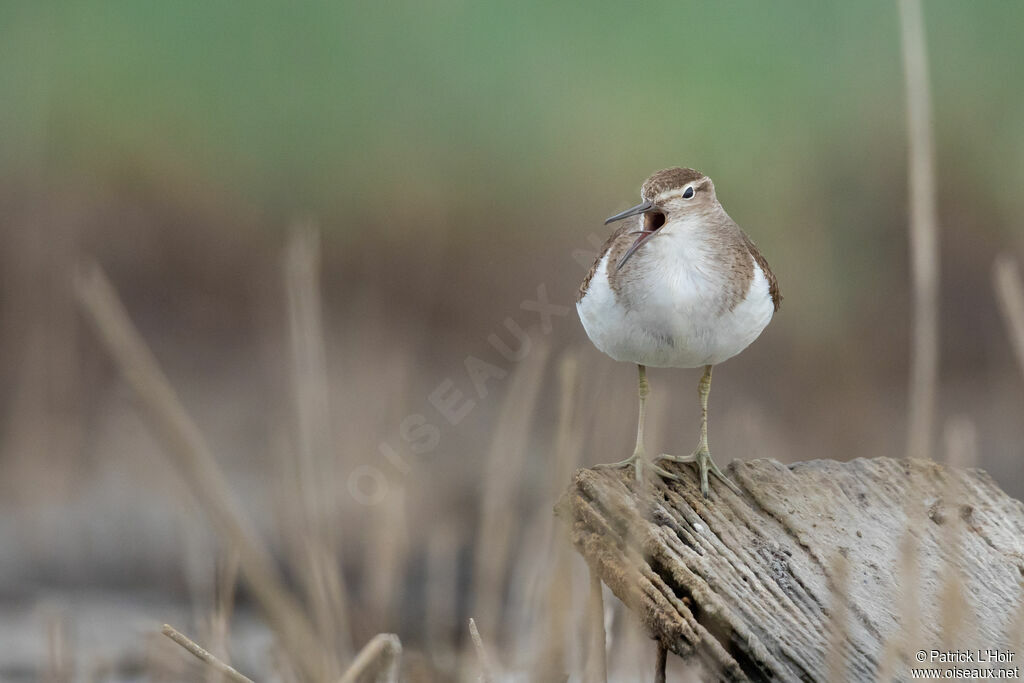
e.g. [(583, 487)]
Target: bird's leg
[(638, 453), (639, 456), (642, 390), (702, 456)]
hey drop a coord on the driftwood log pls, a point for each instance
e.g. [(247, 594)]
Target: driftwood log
[(820, 571)]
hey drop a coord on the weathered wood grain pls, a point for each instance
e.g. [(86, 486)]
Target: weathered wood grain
[(746, 584)]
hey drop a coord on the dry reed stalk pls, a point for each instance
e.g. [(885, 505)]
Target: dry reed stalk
[(548, 643), (486, 668), (924, 242), (316, 473), (162, 661), (388, 556), (839, 619), (503, 476), (383, 650), (1006, 280), (597, 661), (325, 593), (961, 441), (204, 656), (900, 645), (308, 364), (910, 585), (553, 588), (660, 663), (219, 627), (579, 636), (956, 616), (195, 462), (59, 658), (442, 593), (954, 608), (601, 422), (568, 444), (628, 640)]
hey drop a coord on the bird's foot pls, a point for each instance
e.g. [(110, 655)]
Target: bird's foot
[(620, 464), (702, 458), (640, 461)]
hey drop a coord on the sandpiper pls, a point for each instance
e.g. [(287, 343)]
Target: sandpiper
[(680, 286)]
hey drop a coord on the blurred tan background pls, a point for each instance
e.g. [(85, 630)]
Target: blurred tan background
[(455, 157)]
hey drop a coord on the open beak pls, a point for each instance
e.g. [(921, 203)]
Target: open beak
[(642, 235), (643, 207)]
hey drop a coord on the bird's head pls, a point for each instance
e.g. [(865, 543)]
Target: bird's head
[(669, 195)]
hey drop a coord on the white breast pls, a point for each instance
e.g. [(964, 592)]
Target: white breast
[(676, 316)]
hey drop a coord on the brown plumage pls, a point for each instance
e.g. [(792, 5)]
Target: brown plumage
[(773, 284), (668, 179), (735, 253), (608, 243)]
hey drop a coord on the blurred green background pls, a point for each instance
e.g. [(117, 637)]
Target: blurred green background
[(334, 107), (454, 155), (524, 123)]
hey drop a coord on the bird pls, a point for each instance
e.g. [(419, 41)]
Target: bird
[(677, 285)]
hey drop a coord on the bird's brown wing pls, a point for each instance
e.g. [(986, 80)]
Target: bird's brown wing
[(773, 284), (608, 244)]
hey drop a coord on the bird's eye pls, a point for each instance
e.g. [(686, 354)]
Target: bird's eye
[(688, 193)]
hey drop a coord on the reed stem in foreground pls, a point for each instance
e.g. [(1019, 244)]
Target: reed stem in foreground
[(191, 454), (487, 675), (1010, 293), (597, 661), (924, 243), (383, 648), (203, 656)]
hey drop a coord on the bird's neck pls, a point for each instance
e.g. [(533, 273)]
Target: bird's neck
[(692, 240)]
